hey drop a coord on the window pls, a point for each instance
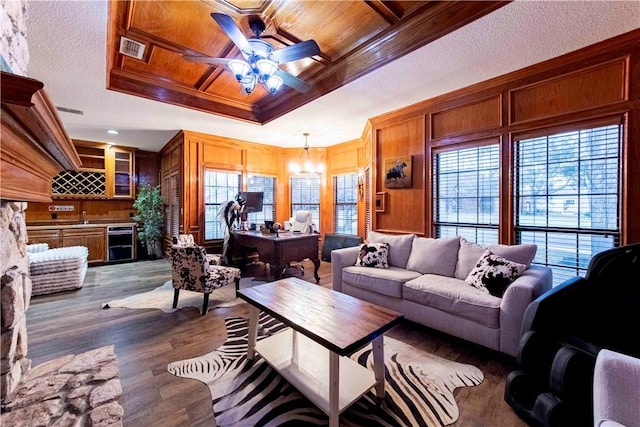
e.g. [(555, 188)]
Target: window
[(466, 189), (305, 195), (171, 195), (266, 184), (345, 204), (367, 202), (219, 187), (567, 188)]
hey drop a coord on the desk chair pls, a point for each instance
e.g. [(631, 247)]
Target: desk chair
[(300, 223), (191, 270)]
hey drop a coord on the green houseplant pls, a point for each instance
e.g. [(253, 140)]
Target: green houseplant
[(150, 207)]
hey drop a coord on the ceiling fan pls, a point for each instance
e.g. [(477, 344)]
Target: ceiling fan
[(261, 60)]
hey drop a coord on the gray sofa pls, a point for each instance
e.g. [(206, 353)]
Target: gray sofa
[(425, 281)]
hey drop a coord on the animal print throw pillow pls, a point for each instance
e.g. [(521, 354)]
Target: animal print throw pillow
[(373, 255), (493, 274)]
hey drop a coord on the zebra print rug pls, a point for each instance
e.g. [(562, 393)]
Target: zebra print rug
[(419, 386)]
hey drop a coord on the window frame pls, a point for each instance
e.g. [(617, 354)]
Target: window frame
[(477, 232), (576, 262), (210, 215), (312, 206), (338, 207)]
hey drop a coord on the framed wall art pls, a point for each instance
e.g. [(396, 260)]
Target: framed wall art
[(397, 172), (379, 202)]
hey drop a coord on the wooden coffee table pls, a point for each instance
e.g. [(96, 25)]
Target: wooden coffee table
[(325, 328)]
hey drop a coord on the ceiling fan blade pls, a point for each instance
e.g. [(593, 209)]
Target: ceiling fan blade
[(297, 51), (231, 29), (292, 81), (207, 60)]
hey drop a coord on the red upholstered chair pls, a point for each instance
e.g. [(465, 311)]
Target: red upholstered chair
[(191, 270)]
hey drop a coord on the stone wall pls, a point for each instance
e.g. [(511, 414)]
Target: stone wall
[(15, 293), (15, 50), (80, 390)]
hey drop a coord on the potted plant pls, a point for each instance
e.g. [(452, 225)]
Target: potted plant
[(150, 207)]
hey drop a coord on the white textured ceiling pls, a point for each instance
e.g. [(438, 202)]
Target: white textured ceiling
[(67, 45)]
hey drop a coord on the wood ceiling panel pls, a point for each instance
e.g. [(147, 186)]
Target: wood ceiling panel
[(337, 26), (168, 65), (185, 24), (355, 38)]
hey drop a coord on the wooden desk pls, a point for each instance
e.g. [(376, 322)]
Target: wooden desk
[(278, 251)]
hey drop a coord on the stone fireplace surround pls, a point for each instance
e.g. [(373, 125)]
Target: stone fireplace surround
[(72, 390)]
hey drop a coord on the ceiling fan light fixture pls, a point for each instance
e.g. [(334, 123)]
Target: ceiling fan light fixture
[(266, 69), (249, 83), (241, 70), (273, 84), (261, 61)]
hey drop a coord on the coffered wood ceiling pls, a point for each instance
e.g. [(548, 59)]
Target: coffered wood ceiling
[(355, 37)]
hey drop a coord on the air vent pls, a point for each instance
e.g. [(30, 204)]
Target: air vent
[(131, 48), (70, 110)]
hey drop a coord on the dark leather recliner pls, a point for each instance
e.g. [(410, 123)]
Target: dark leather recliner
[(562, 332)]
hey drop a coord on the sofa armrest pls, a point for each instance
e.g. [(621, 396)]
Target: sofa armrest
[(535, 281), (341, 258), (616, 387)]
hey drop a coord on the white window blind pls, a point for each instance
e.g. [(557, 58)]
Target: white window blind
[(345, 204), (305, 195), (466, 189), (219, 187), (567, 196)]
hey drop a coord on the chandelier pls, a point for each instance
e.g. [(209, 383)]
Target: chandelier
[(257, 68), (306, 166)]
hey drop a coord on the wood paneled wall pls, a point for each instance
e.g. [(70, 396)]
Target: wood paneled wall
[(190, 153), (600, 82)]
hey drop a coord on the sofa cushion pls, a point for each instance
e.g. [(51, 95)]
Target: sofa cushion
[(434, 256), (455, 297), (373, 255), (493, 273), (399, 246), (384, 281), (468, 257), (522, 254)]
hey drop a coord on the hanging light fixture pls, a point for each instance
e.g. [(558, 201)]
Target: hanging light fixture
[(306, 166)]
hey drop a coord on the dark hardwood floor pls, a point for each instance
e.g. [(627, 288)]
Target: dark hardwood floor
[(147, 340)]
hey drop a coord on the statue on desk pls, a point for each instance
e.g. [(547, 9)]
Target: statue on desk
[(229, 216)]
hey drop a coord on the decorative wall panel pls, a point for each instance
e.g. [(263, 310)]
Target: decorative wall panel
[(472, 117), (588, 88)]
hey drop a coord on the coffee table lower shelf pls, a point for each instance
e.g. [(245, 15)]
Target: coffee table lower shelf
[(308, 370)]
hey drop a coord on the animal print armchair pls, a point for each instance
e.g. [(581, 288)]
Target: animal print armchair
[(191, 270), (188, 240)]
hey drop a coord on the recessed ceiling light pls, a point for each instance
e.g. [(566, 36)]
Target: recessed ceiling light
[(112, 131)]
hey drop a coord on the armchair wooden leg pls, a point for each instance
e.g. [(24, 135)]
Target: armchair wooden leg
[(176, 292), (205, 304)]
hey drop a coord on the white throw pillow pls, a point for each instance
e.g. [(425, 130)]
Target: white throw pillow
[(399, 246), (373, 255), (434, 256), (468, 257), (493, 274), (522, 254)]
